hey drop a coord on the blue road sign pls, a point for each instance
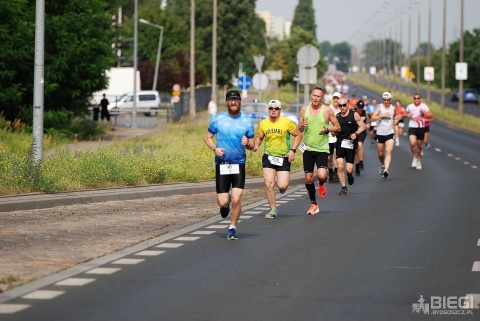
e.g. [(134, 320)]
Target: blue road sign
[(244, 82)]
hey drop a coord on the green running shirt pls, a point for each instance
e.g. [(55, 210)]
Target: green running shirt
[(314, 141)]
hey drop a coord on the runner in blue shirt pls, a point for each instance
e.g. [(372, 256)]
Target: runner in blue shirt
[(234, 134)]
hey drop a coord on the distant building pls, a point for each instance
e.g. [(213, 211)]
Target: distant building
[(276, 27)]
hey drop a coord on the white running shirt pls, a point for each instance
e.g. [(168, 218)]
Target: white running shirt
[(417, 120)]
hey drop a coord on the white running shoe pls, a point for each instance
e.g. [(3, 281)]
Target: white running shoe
[(419, 164), (414, 162), (397, 142)]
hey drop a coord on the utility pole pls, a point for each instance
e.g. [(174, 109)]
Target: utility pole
[(192, 59), (38, 81), (214, 52)]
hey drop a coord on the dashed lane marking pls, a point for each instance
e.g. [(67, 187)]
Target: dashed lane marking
[(103, 271), (75, 282), (216, 226), (12, 308), (149, 253), (187, 238), (478, 242), (476, 266), (128, 261), (43, 295), (169, 245), (252, 212), (202, 232)]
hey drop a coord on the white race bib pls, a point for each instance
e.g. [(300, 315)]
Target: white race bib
[(227, 169), (347, 143), (275, 160), (303, 147)]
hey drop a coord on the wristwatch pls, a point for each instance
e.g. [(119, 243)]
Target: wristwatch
[(294, 150)]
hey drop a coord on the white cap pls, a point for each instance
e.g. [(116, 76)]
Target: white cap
[(275, 103), (337, 94), (387, 95)]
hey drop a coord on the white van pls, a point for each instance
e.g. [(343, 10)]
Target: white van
[(148, 101)]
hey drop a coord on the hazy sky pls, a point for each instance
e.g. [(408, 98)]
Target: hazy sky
[(355, 21)]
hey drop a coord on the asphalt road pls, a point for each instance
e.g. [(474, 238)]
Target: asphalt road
[(370, 255)]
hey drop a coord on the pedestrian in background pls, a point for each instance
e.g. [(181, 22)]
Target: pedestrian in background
[(104, 113), (278, 151), (234, 133), (212, 109)]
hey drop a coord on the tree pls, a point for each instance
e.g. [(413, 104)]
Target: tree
[(77, 53), (304, 17)]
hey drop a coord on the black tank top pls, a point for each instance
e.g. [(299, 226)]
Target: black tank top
[(348, 125)]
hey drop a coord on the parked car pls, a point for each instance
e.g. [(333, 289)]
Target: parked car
[(259, 111), (148, 102), (469, 95)]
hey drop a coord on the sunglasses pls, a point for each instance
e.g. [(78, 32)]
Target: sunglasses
[(387, 100), (273, 108), (342, 105), (417, 97)]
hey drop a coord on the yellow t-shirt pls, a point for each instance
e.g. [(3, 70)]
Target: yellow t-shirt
[(276, 135)]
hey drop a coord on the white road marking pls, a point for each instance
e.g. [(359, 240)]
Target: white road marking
[(203, 232), (287, 199), (244, 216), (216, 226), (150, 253), (476, 266), (458, 158), (103, 271), (12, 308), (466, 163), (475, 300), (264, 208), (478, 242), (449, 155), (282, 202), (474, 166), (169, 245), (43, 295), (438, 150), (253, 212), (187, 238), (75, 282), (128, 261)]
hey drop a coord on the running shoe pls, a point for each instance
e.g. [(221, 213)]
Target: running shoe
[(419, 165), (385, 174), (350, 179), (381, 170), (322, 191), (361, 166), (272, 214), (224, 211), (343, 191), (397, 142), (427, 145), (282, 191), (313, 209), (232, 234), (414, 162), (357, 171)]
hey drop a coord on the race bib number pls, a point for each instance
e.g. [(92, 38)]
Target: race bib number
[(373, 123), (346, 143), (275, 160), (227, 169), (303, 147), (386, 121), (331, 139)]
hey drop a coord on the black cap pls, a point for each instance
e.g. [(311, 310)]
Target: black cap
[(233, 94), (360, 104)]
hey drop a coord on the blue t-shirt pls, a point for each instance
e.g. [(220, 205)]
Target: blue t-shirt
[(229, 131)]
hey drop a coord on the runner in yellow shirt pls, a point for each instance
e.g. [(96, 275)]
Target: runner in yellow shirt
[(278, 151)]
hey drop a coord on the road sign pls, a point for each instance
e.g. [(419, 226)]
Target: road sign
[(260, 81), (308, 56), (461, 71), (175, 99), (258, 59), (308, 76), (428, 74), (176, 87), (244, 82)]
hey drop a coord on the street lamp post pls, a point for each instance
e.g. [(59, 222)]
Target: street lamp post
[(159, 50)]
